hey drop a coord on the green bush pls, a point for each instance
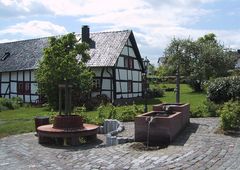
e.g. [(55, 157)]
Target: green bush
[(3, 108), (100, 112), (129, 112), (139, 109), (16, 102), (82, 111), (208, 109), (113, 112), (224, 89), (6, 103), (11, 104), (212, 108), (155, 91), (230, 115)]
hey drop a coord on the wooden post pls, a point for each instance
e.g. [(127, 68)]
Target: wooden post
[(70, 99), (177, 85), (60, 100), (66, 98), (178, 77)]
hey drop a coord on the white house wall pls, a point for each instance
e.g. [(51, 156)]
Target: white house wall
[(9, 81), (20, 76), (125, 51), (4, 89), (129, 43), (5, 77), (122, 74), (136, 64), (105, 77), (14, 76), (125, 75), (120, 62), (131, 53), (34, 88)]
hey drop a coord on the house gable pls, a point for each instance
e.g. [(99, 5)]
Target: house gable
[(128, 71)]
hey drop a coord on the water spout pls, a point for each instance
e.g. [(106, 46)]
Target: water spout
[(149, 119)]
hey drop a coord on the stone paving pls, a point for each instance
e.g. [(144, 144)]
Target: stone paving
[(197, 147)]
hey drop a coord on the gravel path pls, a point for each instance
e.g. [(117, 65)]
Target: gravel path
[(197, 147)]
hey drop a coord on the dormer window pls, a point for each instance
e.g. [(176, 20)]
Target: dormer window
[(5, 56)]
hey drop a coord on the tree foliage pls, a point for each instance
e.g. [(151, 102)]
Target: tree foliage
[(199, 60), (64, 60)]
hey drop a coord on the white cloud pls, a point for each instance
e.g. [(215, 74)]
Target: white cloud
[(90, 7), (35, 29), (154, 22), (7, 40), (22, 8)]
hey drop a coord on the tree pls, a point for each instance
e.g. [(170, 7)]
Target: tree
[(64, 60), (151, 69), (178, 53), (199, 60)]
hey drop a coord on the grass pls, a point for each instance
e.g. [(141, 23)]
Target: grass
[(19, 120), (22, 120), (186, 96)]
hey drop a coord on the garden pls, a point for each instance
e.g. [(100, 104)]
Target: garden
[(206, 84), (16, 118)]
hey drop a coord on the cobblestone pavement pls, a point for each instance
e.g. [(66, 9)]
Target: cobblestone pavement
[(197, 147)]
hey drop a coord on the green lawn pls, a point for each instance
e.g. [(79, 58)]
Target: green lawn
[(186, 96), (22, 120), (19, 120)]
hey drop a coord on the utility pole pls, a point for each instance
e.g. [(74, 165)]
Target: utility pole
[(178, 85), (178, 77)]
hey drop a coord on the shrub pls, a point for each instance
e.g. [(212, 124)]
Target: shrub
[(17, 102), (169, 89), (230, 115), (94, 102), (52, 115), (113, 112), (101, 115), (208, 109), (138, 109), (155, 91), (128, 114), (3, 108), (82, 111), (224, 89), (12, 103), (212, 108), (6, 102)]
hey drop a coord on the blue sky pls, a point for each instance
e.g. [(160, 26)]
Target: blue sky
[(154, 22)]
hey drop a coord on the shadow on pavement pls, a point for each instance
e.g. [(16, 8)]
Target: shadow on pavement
[(184, 135)]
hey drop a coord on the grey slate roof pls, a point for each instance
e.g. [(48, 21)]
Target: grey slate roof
[(24, 55)]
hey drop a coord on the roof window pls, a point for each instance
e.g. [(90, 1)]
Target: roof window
[(5, 56)]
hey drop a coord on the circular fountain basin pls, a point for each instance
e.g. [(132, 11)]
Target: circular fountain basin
[(68, 122), (47, 133), (66, 128), (50, 131)]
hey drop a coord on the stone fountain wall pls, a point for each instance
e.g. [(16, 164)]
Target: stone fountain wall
[(111, 127), (163, 128)]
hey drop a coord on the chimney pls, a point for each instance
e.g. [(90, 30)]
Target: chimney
[(85, 34), (238, 51)]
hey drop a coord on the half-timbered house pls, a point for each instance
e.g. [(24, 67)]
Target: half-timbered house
[(115, 60)]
